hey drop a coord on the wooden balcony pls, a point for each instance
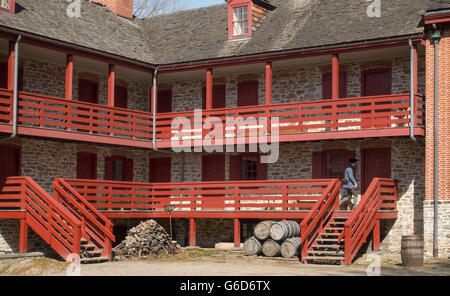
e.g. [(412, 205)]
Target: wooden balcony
[(363, 117)]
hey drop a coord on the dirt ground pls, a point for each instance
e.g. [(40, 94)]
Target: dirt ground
[(213, 262)]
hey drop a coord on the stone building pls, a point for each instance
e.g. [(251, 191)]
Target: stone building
[(322, 81)]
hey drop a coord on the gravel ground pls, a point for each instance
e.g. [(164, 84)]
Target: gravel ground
[(221, 263)]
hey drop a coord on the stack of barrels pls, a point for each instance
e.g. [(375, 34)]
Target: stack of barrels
[(273, 239)]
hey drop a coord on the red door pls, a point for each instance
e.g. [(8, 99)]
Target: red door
[(4, 76), (121, 97), (213, 168), (327, 85), (376, 163), (88, 91), (160, 170), (247, 93), (164, 101), (376, 83), (86, 165), (219, 97), (9, 162)]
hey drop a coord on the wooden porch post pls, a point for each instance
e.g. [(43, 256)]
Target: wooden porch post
[(335, 76), (111, 85), (69, 77), (23, 236), (268, 83), (376, 236), (209, 89), (11, 58), (237, 233), (192, 232)]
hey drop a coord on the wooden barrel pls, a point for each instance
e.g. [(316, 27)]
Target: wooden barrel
[(284, 229), (412, 250), (289, 248), (271, 248), (252, 246), (262, 230)]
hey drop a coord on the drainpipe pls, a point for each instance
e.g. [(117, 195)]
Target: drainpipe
[(155, 75), (411, 91), (16, 86), (436, 37)]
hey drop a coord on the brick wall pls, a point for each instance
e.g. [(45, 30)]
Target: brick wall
[(122, 8)]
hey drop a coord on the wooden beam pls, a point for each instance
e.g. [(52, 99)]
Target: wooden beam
[(69, 77), (268, 83), (23, 236), (111, 85), (192, 232), (335, 76), (237, 233), (11, 57), (209, 89)]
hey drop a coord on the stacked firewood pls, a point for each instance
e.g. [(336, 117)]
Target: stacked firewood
[(146, 239), (273, 239)]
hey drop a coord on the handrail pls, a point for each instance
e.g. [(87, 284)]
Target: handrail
[(363, 219), (48, 218), (96, 227), (312, 225)]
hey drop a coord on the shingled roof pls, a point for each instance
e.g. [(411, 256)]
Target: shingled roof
[(98, 27), (202, 34)]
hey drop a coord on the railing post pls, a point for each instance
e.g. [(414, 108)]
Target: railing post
[(192, 232), (376, 236), (347, 244), (108, 244), (77, 241), (237, 233), (23, 236)]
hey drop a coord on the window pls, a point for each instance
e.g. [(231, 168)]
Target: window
[(119, 168), (240, 21), (331, 163), (247, 166), (121, 97), (7, 5)]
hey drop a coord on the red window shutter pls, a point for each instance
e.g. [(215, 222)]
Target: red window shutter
[(88, 91), (86, 165), (164, 101), (108, 168), (247, 93), (317, 165), (9, 162), (327, 85), (219, 96), (262, 170), (234, 168), (160, 170), (376, 82), (128, 170), (121, 97), (3, 75)]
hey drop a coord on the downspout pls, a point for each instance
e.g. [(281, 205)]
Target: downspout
[(411, 91), (155, 75), (16, 86), (436, 37)]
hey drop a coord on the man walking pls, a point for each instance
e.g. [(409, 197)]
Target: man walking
[(349, 186)]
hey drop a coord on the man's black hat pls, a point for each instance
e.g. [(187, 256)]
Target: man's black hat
[(352, 160)]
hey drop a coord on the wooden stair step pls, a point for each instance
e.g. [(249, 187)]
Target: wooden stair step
[(328, 239), (334, 228), (94, 260), (88, 247), (95, 252), (327, 258), (330, 234), (337, 253), (328, 246)]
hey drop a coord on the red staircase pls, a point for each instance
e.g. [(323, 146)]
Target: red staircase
[(340, 234), (67, 223)]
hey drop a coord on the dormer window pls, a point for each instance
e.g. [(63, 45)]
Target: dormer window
[(7, 5), (240, 21), (245, 16)]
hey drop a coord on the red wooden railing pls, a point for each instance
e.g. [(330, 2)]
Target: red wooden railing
[(96, 228), (44, 112), (387, 111), (283, 195), (55, 224), (381, 195), (313, 224)]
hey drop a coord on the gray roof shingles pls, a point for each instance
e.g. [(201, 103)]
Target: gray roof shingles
[(200, 34)]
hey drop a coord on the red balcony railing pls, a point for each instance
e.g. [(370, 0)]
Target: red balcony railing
[(54, 115)]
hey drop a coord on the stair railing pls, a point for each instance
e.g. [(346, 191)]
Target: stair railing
[(313, 224), (55, 224), (96, 228), (363, 219)]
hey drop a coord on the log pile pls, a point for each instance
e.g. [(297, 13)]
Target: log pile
[(273, 239), (146, 239)]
